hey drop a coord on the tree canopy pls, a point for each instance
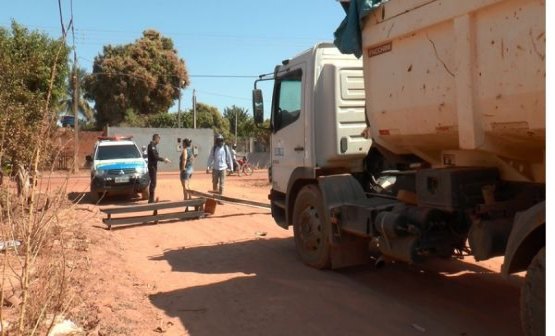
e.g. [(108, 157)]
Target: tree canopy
[(28, 62), (244, 121), (66, 104), (144, 76), (209, 117)]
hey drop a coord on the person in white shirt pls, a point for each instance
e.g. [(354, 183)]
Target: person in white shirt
[(234, 157), (220, 161)]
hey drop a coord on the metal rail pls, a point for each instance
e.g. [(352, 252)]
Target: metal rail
[(232, 200)]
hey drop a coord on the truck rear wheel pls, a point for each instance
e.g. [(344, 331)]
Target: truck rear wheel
[(311, 229), (532, 299)]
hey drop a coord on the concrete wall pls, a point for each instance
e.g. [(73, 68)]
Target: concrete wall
[(259, 160), (203, 139)]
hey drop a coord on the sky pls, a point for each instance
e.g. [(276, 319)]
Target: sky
[(215, 38)]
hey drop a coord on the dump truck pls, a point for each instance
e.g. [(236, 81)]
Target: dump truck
[(431, 144)]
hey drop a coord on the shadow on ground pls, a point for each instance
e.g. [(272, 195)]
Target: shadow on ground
[(270, 292), (85, 198)]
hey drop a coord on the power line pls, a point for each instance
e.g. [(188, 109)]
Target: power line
[(162, 84), (190, 75), (222, 95), (61, 18)]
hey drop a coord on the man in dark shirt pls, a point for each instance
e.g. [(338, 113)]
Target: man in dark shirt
[(153, 159)]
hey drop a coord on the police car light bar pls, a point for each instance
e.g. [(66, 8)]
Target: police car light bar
[(115, 138)]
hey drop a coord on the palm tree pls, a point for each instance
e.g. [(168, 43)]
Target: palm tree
[(65, 106)]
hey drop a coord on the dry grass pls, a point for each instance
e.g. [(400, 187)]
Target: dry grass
[(34, 275), (37, 274)]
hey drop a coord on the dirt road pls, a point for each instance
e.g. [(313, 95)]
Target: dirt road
[(237, 273)]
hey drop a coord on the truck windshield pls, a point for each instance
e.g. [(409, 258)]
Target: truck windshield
[(289, 94), (118, 152)]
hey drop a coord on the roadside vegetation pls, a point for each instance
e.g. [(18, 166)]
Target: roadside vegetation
[(34, 278)]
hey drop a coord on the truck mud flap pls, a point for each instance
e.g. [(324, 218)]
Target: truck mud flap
[(526, 239), (346, 249)]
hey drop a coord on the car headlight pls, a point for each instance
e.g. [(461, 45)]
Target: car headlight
[(141, 170), (99, 172)]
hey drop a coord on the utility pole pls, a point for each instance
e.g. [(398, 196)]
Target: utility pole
[(194, 109), (236, 126), (75, 83), (179, 110)]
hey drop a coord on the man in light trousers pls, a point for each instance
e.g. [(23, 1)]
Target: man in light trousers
[(220, 161)]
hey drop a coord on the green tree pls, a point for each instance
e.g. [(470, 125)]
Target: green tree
[(145, 76), (162, 120), (66, 104), (246, 127), (28, 62), (209, 117), (132, 119), (262, 134), (243, 120)]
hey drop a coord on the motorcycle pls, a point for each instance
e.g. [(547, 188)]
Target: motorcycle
[(242, 167)]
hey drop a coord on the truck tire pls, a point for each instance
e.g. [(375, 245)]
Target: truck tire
[(532, 299), (310, 228)]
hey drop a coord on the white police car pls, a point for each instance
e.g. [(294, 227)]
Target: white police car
[(118, 167)]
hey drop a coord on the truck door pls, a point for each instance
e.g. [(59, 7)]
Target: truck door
[(288, 125)]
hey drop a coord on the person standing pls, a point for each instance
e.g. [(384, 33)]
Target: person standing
[(220, 158), (234, 158), (153, 158), (186, 167)]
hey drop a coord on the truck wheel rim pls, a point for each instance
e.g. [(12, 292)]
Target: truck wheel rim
[(310, 229)]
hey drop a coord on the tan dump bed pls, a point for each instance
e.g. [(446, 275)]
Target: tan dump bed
[(443, 76)]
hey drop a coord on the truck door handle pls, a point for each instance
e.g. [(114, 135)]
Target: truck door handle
[(299, 149)]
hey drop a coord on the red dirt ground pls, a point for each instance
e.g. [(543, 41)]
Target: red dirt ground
[(237, 273)]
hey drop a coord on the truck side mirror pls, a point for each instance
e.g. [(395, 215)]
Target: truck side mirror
[(88, 158), (258, 106)]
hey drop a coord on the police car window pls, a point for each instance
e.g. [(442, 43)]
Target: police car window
[(288, 107), (118, 152)]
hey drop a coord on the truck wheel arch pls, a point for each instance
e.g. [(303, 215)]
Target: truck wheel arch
[(334, 190), (526, 239), (303, 176)]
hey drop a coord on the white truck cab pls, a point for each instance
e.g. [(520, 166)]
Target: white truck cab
[(317, 115)]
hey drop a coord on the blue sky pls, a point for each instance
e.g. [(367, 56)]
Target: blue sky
[(243, 37)]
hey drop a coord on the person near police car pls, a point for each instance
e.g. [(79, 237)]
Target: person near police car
[(186, 167), (153, 159)]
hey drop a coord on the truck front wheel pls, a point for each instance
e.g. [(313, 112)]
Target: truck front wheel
[(532, 301), (311, 229)]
